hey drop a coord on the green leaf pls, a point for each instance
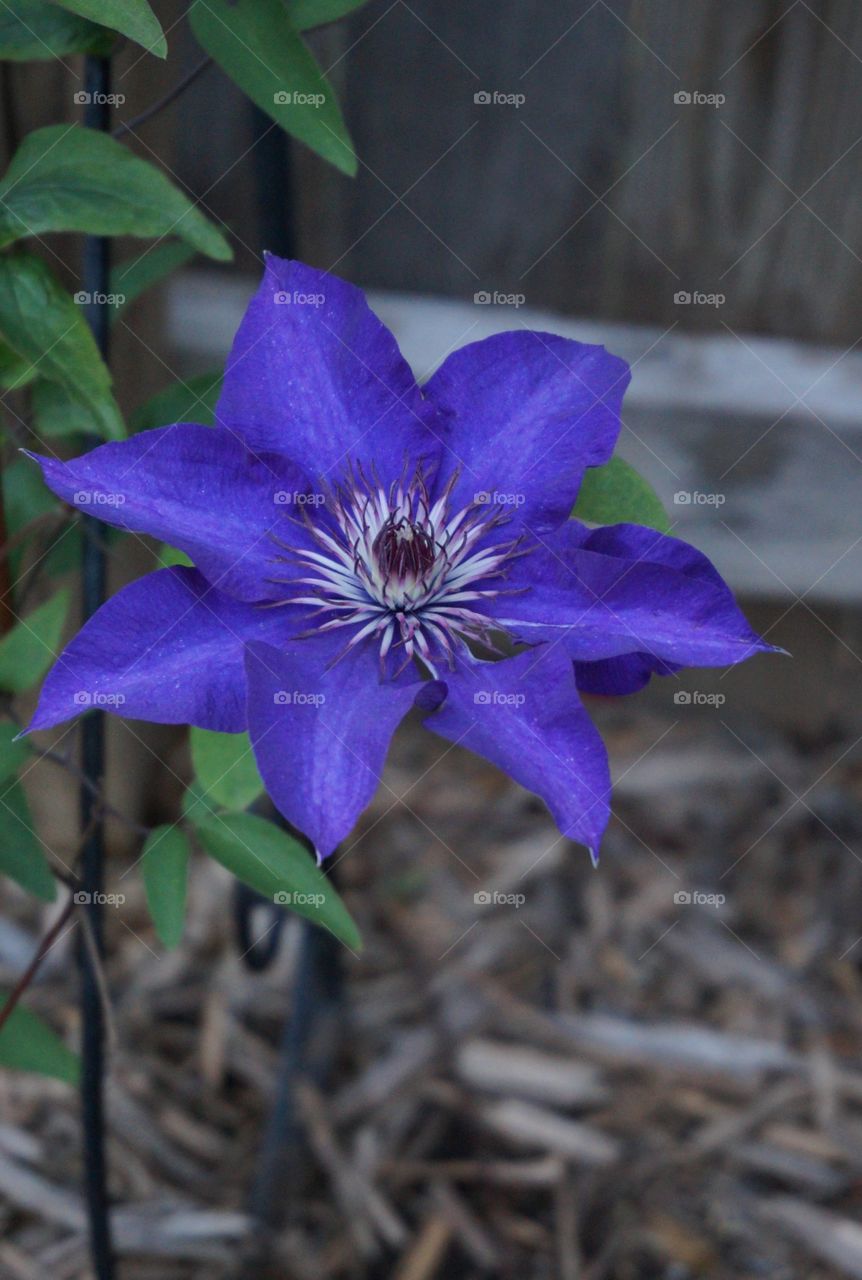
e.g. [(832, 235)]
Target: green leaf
[(26, 497), (27, 651), (169, 556), (305, 14), (255, 42), (12, 753), (15, 372), (276, 865), (33, 30), (56, 413), (616, 494), (28, 1044), (165, 866), (68, 178), (191, 401), (225, 767), (133, 277), (42, 324), (21, 855), (132, 18)]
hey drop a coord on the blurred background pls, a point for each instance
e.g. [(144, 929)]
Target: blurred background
[(534, 1069)]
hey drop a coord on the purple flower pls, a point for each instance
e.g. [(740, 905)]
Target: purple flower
[(363, 546)]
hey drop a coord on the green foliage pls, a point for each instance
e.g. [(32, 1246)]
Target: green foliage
[(15, 372), (305, 14), (29, 648), (26, 498), (68, 178), (21, 855), (34, 30), (169, 556), (276, 865), (224, 766), (133, 277), (132, 18), (255, 42), (55, 414), (28, 1044), (165, 864), (616, 494), (43, 326), (191, 401)]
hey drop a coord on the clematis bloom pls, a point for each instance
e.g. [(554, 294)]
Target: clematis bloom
[(363, 546)]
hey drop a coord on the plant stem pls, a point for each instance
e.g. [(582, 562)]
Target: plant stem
[(35, 964), (96, 282), (153, 110)]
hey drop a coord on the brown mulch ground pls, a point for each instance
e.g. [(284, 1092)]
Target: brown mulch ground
[(585, 1077)]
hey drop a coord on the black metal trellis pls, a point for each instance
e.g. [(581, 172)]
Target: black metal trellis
[(96, 266)]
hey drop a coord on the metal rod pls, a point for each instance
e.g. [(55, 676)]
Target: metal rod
[(96, 267)]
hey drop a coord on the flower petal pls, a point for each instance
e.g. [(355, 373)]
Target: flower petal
[(612, 677), (524, 714), (315, 375), (625, 590), (526, 414), (198, 488), (166, 648), (320, 733)]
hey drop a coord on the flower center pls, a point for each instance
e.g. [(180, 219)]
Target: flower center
[(395, 566)]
